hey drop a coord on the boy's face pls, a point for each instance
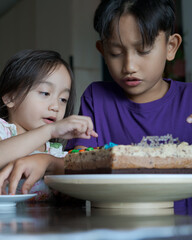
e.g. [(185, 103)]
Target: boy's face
[(138, 71), (45, 103)]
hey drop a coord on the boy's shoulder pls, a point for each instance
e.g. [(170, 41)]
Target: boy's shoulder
[(102, 86), (102, 90), (183, 86)]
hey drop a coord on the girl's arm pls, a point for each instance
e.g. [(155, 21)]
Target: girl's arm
[(23, 144), (33, 168)]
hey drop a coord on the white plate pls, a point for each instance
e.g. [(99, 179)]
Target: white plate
[(11, 200), (125, 190)]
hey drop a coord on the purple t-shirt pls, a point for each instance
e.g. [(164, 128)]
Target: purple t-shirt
[(119, 120)]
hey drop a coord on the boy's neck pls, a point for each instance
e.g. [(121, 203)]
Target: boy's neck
[(156, 93)]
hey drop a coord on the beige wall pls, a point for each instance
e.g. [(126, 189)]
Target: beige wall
[(62, 25), (187, 36), (17, 29)]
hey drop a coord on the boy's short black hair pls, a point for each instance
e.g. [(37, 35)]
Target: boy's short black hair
[(152, 16)]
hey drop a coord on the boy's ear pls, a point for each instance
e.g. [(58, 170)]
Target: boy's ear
[(8, 101), (172, 46), (99, 46)]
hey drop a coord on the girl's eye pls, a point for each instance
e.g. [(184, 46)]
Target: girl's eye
[(63, 100), (45, 93)]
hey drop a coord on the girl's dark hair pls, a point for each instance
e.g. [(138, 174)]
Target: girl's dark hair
[(24, 70), (152, 16)]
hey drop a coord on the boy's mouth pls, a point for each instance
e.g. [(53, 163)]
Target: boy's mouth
[(132, 82)]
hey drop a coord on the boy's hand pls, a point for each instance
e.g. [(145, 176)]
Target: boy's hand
[(189, 119)]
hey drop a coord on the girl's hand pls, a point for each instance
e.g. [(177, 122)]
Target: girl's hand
[(74, 127), (189, 119), (32, 168), (4, 176)]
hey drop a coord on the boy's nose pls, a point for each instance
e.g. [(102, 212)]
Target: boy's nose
[(129, 64)]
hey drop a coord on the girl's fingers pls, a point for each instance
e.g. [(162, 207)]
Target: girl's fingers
[(94, 134), (14, 179), (4, 175), (84, 120), (29, 182), (74, 126), (87, 126), (4, 187)]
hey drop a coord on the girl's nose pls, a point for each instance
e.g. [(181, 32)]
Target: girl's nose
[(54, 107)]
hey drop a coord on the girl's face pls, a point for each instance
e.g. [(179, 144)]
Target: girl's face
[(136, 70), (45, 103)]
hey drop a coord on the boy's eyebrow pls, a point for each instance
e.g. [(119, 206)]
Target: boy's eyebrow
[(138, 43), (119, 44), (113, 44)]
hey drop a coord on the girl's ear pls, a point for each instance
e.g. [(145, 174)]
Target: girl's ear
[(99, 46), (8, 101), (172, 46)]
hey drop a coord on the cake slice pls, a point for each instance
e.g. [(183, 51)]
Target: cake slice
[(165, 158)]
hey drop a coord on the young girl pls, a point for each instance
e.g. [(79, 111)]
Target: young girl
[(36, 99), (137, 38)]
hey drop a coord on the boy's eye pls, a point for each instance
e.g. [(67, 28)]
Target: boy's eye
[(115, 54), (45, 93), (144, 52)]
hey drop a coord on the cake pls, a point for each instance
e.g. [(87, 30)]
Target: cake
[(141, 158)]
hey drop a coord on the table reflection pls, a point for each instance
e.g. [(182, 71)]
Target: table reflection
[(61, 217)]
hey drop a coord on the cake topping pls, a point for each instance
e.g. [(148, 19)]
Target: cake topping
[(82, 150), (89, 149), (110, 145), (156, 141), (147, 141)]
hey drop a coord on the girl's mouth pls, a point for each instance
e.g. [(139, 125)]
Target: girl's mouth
[(49, 120)]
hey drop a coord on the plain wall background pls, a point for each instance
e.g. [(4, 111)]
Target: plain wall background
[(187, 36), (67, 27), (62, 25)]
